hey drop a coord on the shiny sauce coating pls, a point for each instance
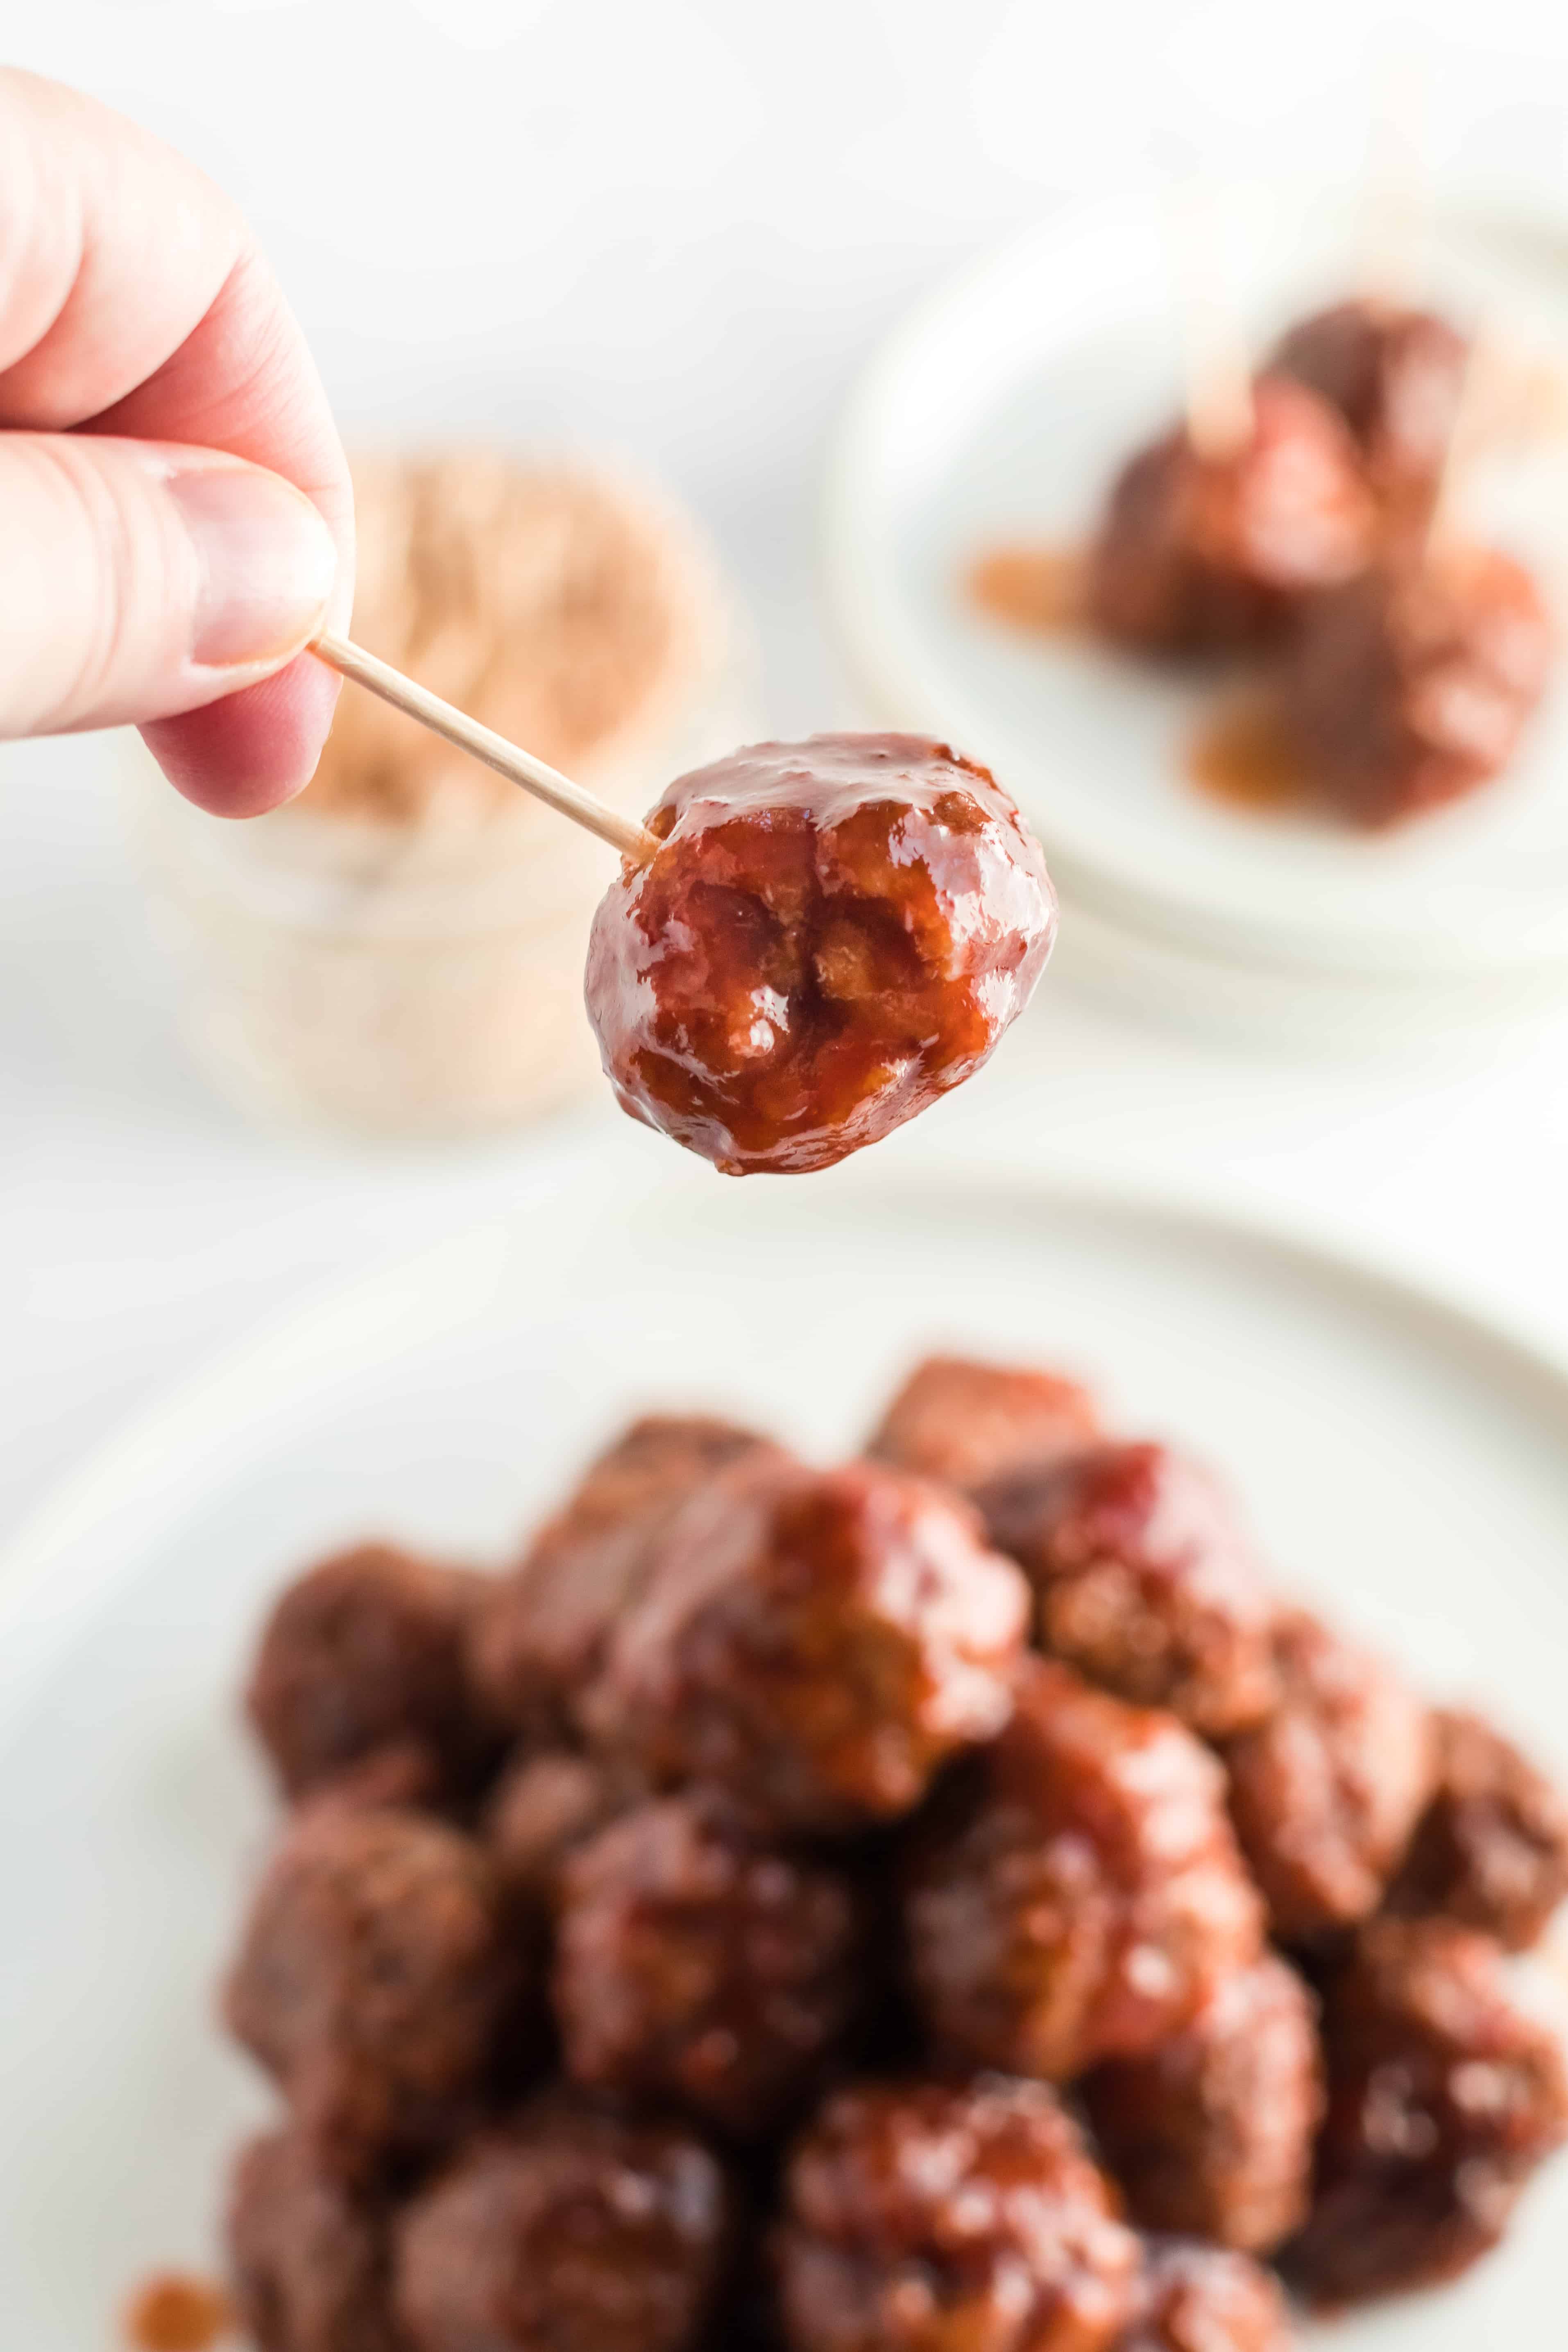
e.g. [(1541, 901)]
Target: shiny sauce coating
[(832, 934)]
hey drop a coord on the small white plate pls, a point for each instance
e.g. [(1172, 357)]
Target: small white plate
[(1405, 1464), (999, 413)]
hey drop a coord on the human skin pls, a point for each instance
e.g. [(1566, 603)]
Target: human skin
[(179, 518)]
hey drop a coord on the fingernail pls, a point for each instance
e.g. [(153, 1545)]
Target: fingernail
[(266, 563)]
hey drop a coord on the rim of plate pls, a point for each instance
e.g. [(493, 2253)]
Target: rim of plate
[(883, 642)]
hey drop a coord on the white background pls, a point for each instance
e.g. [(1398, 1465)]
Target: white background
[(682, 227)]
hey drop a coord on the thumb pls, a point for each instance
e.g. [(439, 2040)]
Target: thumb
[(139, 579)]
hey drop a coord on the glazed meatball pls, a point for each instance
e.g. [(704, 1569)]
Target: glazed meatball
[(816, 1644), (695, 1966), (1396, 376), (1146, 1580), (1413, 684), (1200, 2298), (1326, 1793), (372, 1981), (831, 935), (363, 1654), (1444, 2096), (1491, 1849), (922, 2216), (572, 2231), (1211, 2134), (1203, 554), (310, 2262), (540, 1637), (962, 1423), (541, 1809), (1084, 1897)]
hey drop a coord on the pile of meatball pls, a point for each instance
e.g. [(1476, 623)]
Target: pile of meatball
[(950, 1901), (1406, 660)]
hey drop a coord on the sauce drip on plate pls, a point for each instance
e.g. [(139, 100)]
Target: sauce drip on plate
[(1044, 589), (1242, 753), (172, 2312)]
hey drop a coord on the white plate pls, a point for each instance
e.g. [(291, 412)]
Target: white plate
[(1000, 413), (1406, 1465)]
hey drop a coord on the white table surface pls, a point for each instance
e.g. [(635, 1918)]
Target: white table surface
[(682, 227)]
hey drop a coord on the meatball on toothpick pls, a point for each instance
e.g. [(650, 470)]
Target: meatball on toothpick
[(830, 935)]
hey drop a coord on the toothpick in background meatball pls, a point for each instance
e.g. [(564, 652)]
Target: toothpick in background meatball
[(1396, 376), (1203, 554)]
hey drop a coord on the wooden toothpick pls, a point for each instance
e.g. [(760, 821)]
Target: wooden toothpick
[(1220, 419), (1395, 199), (1466, 438), (520, 767)]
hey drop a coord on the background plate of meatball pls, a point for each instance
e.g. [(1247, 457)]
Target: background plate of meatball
[(1276, 686), (939, 1770)]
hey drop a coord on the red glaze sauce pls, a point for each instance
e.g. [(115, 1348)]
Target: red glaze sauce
[(171, 2313), (1042, 589), (833, 933), (1242, 752)]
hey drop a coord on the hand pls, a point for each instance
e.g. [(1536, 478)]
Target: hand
[(178, 520)]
